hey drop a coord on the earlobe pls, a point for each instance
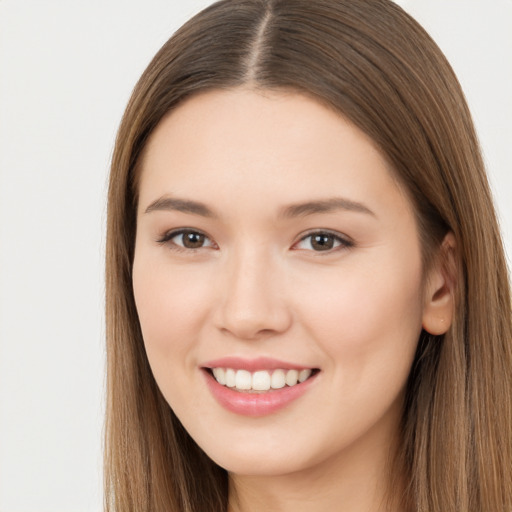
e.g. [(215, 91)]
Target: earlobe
[(439, 306)]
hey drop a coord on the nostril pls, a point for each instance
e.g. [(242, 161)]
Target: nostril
[(252, 309)]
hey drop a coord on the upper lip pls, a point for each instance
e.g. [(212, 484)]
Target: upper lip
[(252, 365)]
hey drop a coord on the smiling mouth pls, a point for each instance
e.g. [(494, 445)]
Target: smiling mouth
[(262, 380)]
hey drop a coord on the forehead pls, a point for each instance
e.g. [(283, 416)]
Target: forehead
[(283, 146)]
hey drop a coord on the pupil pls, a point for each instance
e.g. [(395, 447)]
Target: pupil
[(193, 240), (322, 242)]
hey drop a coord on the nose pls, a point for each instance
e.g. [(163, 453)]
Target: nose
[(253, 300)]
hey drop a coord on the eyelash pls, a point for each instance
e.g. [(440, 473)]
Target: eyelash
[(166, 239), (342, 242)]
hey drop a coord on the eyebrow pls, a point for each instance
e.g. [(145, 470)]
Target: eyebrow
[(180, 205), (325, 206), (293, 210)]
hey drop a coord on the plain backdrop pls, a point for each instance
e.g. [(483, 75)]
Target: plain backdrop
[(66, 72)]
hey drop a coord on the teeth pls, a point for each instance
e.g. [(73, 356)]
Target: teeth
[(220, 375), (292, 376), (261, 380), (278, 379), (304, 375), (230, 378), (243, 380)]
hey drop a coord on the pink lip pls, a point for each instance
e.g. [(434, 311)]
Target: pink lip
[(255, 404), (253, 365)]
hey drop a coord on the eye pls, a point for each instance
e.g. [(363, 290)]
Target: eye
[(322, 241), (187, 239)]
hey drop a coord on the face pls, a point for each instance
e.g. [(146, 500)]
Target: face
[(278, 281)]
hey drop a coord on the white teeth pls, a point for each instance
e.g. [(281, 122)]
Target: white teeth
[(243, 380), (230, 378), (278, 379), (292, 376), (304, 375), (261, 380), (220, 375)]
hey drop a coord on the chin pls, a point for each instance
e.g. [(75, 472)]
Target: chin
[(264, 456), (258, 464)]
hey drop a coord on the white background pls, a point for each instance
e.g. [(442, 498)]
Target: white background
[(66, 71)]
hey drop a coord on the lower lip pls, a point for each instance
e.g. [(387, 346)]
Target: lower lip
[(256, 404)]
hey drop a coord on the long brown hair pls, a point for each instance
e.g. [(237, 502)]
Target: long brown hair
[(371, 62)]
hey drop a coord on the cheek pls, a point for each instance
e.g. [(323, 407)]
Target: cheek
[(171, 305), (367, 318), (367, 323)]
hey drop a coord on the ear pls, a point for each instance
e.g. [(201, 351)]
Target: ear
[(438, 305)]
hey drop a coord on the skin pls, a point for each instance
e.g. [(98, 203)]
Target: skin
[(258, 287)]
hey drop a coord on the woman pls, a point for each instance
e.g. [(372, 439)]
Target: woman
[(307, 297)]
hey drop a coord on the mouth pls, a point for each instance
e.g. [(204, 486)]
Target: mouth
[(260, 381), (257, 387)]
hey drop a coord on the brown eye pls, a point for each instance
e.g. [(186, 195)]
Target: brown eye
[(192, 239), (323, 241), (186, 239)]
